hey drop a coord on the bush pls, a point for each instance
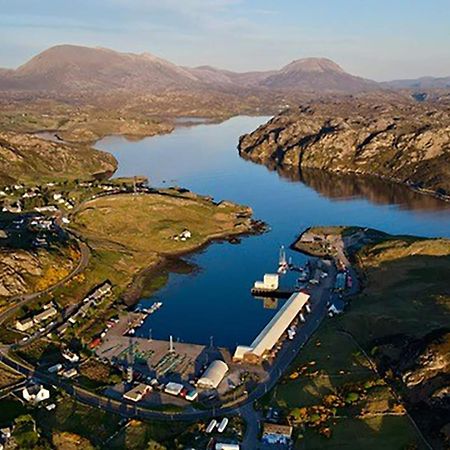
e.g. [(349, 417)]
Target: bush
[(352, 397)]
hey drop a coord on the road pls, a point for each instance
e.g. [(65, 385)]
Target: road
[(127, 409)]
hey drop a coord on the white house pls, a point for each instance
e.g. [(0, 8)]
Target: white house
[(35, 393)]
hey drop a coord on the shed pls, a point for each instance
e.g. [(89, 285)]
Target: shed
[(213, 375), (137, 393), (173, 388)]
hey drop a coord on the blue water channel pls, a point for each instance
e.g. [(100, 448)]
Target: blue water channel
[(215, 301)]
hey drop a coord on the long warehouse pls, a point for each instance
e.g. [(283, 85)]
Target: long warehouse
[(273, 331)]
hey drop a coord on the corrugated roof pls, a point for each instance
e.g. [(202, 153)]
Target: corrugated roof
[(272, 332)]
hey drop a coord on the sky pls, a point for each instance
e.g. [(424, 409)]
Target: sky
[(377, 39)]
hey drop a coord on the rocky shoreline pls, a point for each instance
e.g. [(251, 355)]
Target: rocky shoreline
[(404, 143)]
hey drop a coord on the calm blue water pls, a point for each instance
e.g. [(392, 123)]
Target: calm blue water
[(216, 301)]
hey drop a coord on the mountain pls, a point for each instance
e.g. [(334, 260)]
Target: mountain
[(70, 69), (317, 74), (419, 83)]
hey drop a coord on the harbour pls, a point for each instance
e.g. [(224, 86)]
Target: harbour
[(214, 300)]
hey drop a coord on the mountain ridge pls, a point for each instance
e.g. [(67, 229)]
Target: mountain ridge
[(68, 68)]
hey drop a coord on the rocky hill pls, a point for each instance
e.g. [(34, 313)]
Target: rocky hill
[(25, 157), (394, 139), (400, 319), (68, 68)]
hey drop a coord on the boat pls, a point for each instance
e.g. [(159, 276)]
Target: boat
[(283, 265)]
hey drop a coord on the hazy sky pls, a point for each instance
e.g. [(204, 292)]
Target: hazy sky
[(379, 39)]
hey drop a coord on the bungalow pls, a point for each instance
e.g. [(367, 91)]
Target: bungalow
[(45, 314), (24, 325)]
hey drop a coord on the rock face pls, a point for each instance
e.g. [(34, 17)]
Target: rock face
[(404, 142), (423, 367), (25, 157)]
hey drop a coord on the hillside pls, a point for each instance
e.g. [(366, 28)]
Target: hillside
[(420, 83), (317, 74), (28, 158), (397, 140), (70, 68)]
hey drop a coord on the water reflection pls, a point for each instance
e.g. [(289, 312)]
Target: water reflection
[(350, 186), (268, 303)]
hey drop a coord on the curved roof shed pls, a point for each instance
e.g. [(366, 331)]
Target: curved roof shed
[(213, 375)]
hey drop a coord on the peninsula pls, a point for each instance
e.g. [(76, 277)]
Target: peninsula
[(400, 141)]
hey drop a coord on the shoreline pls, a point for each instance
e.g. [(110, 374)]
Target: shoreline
[(168, 264)]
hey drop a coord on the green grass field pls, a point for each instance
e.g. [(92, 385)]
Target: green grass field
[(406, 292), (384, 432), (69, 415)]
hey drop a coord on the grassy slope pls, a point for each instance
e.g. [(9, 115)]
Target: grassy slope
[(131, 233), (26, 271), (406, 292)]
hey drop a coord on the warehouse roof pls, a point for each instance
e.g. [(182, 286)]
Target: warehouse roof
[(240, 351), (213, 375), (272, 332)]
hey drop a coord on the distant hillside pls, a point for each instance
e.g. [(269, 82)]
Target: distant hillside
[(26, 157), (419, 83), (70, 69)]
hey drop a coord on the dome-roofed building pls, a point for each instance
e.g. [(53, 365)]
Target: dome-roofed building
[(213, 375)]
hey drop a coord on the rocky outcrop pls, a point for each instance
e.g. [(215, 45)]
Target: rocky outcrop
[(16, 269), (24, 157), (404, 142)]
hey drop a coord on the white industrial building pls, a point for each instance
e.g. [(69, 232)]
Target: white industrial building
[(213, 375), (270, 283), (272, 332)]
